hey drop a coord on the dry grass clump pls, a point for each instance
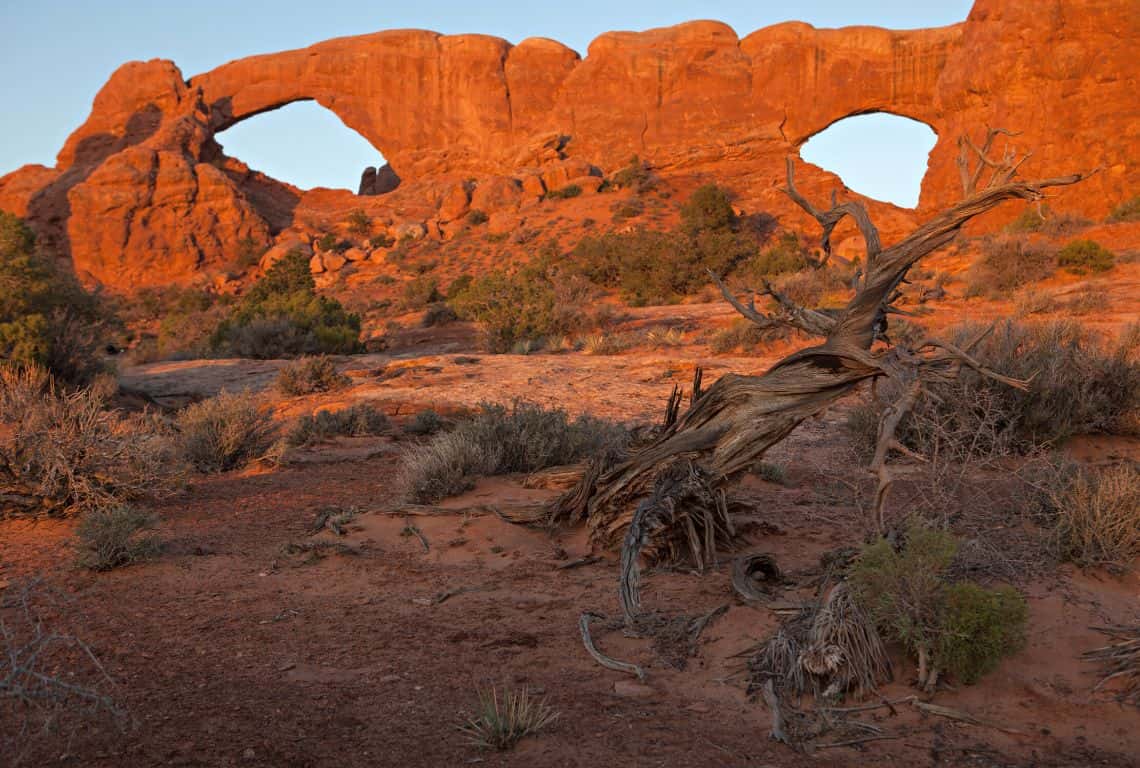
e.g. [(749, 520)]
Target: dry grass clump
[(499, 440), (308, 375), (65, 452), (1098, 517), (358, 420), (1127, 210), (226, 432), (500, 722), (1120, 661), (111, 538), (1080, 384), (1009, 262)]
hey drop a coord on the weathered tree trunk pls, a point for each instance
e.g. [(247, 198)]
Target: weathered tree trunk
[(730, 427)]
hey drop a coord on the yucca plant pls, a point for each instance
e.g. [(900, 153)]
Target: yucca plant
[(501, 720)]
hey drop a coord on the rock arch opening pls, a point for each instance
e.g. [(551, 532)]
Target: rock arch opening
[(308, 146), (880, 155)]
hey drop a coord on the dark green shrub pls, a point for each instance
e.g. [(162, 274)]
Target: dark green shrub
[(438, 314), (421, 291), (382, 241), (1128, 210), (499, 440), (326, 242), (459, 285), (708, 209), (282, 316), (979, 626), (636, 176), (46, 318), (112, 538), (960, 628), (1081, 256), (249, 253), (308, 375), (226, 432), (477, 217), (786, 255), (360, 223), (570, 190), (426, 422), (534, 302), (360, 420)]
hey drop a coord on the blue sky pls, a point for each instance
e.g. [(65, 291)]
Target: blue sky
[(55, 54)]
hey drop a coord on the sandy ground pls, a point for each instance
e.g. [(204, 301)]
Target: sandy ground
[(253, 641)]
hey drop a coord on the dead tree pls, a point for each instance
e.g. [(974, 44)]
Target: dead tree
[(736, 420)]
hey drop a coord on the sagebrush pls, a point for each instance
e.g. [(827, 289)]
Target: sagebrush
[(226, 432)]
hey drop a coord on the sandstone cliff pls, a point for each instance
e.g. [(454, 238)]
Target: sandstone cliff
[(142, 194)]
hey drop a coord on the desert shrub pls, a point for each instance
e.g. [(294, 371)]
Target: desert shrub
[(360, 223), (787, 254), (459, 285), (114, 537), (282, 316), (1009, 262), (565, 193), (499, 723), (627, 209), (812, 287), (1079, 384), (635, 175), (1082, 256), (499, 440), (650, 267), (439, 313), (360, 420), (961, 628), (425, 422), (421, 291), (382, 241), (1098, 517), (1127, 210), (307, 375), (65, 452), (978, 627), (477, 217), (709, 208), (248, 252), (533, 302), (742, 335), (1034, 302), (46, 317), (1045, 220), (225, 432)]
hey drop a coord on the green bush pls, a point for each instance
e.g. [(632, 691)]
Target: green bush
[(787, 254), (46, 318), (565, 193), (226, 432), (360, 223), (960, 628), (498, 440), (308, 375), (426, 422), (112, 538), (709, 209), (538, 300), (477, 217), (979, 626), (382, 241), (358, 420), (282, 316), (421, 291), (1128, 210), (1081, 256), (635, 176)]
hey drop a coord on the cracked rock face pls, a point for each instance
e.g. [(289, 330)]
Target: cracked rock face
[(142, 194)]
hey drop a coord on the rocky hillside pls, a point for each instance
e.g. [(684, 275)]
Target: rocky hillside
[(142, 194)]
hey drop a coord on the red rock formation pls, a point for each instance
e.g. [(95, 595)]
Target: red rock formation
[(142, 195)]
